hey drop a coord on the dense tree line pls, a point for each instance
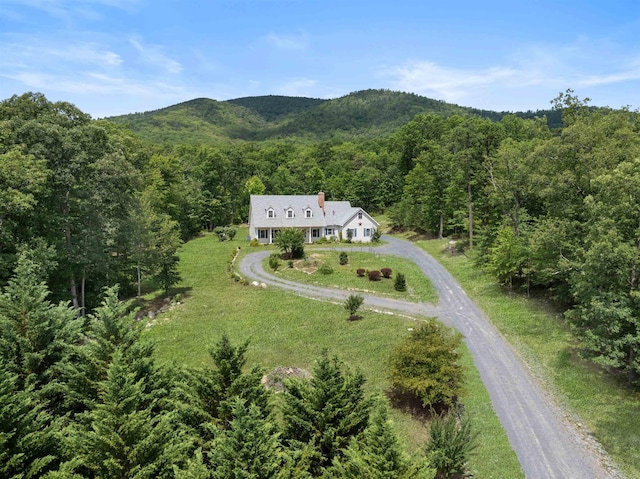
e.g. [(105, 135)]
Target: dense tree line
[(557, 211), (87, 198)]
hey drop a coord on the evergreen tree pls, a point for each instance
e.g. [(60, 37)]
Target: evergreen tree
[(110, 328), (425, 366), (28, 440), (325, 412), (36, 336), (123, 436), (249, 448), (377, 453)]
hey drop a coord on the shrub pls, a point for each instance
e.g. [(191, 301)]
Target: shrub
[(450, 444), (254, 242), (274, 261), (400, 283), (290, 263), (375, 235), (349, 235), (325, 269), (386, 272), (219, 232), (322, 240), (291, 242), (374, 275), (361, 272), (230, 232), (352, 304), (425, 366), (344, 259)]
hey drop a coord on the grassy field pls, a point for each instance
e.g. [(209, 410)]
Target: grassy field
[(606, 407), (419, 288), (288, 330)]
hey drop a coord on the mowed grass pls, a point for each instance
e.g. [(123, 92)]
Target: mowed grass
[(289, 330), (419, 288), (604, 404)]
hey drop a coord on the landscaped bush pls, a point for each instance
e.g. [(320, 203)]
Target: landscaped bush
[(344, 259), (425, 367), (254, 242), (386, 272), (230, 232), (450, 444), (325, 269), (352, 304), (274, 261), (375, 236), (400, 283), (290, 263), (361, 272), (374, 275)]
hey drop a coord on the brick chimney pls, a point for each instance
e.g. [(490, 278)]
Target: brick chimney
[(321, 201)]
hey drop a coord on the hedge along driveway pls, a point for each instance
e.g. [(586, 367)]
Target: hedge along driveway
[(547, 445)]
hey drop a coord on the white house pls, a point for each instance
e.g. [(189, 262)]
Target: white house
[(318, 218)]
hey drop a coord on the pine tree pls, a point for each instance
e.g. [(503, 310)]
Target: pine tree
[(249, 448), (28, 441), (325, 412), (123, 436), (36, 336), (110, 329), (377, 453)]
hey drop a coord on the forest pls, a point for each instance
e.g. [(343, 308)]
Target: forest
[(92, 209)]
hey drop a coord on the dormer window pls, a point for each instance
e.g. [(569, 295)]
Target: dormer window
[(271, 213), (290, 213), (308, 213)]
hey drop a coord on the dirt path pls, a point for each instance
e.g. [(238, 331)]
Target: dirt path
[(546, 443)]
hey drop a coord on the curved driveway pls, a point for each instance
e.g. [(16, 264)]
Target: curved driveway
[(547, 445)]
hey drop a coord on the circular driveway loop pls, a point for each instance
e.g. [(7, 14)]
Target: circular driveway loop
[(548, 446)]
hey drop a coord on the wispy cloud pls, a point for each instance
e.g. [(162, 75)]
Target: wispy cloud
[(153, 55), (67, 8), (583, 64), (288, 41)]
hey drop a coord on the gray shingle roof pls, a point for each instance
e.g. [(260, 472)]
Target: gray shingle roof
[(336, 212)]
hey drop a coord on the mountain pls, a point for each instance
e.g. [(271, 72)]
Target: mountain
[(363, 114)]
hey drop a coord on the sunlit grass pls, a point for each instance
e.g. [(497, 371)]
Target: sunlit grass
[(606, 407), (288, 330)]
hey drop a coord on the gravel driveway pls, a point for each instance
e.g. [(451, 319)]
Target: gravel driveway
[(546, 443)]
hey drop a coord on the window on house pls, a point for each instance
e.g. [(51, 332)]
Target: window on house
[(360, 215), (315, 232), (263, 234), (328, 231), (367, 232), (289, 213), (308, 214), (355, 232), (271, 214)]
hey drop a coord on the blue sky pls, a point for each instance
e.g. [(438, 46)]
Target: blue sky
[(111, 57)]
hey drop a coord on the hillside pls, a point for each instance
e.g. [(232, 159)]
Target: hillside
[(364, 114)]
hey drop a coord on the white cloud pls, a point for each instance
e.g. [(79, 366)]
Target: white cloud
[(287, 42), (153, 55), (530, 71)]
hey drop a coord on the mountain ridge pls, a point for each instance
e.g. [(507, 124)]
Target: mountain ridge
[(361, 114)]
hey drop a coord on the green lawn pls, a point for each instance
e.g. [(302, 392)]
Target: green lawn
[(606, 407), (289, 330), (419, 288)]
